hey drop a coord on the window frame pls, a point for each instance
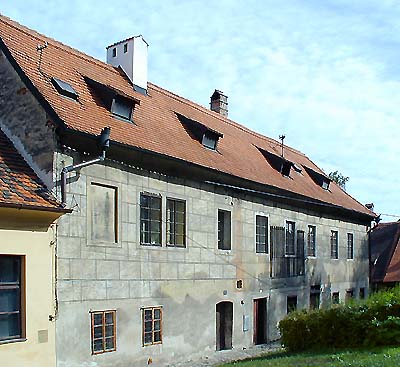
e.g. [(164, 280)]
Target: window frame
[(174, 223), (258, 244), (350, 249), (153, 320), (103, 326), (334, 244), (312, 253), (290, 253), (151, 196), (122, 101), (20, 285), (222, 239)]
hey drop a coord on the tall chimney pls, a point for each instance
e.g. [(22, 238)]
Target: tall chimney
[(219, 103), (131, 56)]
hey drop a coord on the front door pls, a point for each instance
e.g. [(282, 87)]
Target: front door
[(224, 319), (260, 321)]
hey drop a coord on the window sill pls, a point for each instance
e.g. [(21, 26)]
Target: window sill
[(350, 259), (8, 341)]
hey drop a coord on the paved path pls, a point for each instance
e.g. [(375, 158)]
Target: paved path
[(215, 358)]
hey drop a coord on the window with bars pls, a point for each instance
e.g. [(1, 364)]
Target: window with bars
[(152, 325), (224, 230), (150, 220), (11, 310), (312, 234), (176, 217), (103, 331), (261, 234), (350, 246), (334, 245), (290, 238)]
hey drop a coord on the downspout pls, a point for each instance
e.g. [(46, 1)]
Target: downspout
[(103, 143)]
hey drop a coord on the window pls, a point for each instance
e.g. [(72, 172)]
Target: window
[(289, 248), (277, 162), (125, 48), (361, 295), (64, 88), (334, 245), (349, 295), (122, 107), (152, 325), (150, 220), (114, 52), (11, 297), (103, 332), (335, 298), (176, 215), (350, 246), (224, 230), (261, 234), (210, 140), (312, 230), (319, 178), (315, 292), (291, 304), (103, 213)]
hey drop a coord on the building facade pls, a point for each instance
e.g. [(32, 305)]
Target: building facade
[(189, 233)]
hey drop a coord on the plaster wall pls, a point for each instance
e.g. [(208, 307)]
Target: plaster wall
[(187, 282), (38, 347)]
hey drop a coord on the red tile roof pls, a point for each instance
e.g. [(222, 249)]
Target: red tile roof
[(19, 185), (156, 126)]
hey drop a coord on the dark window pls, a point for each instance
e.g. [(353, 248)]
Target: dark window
[(103, 331), (277, 162), (152, 325), (176, 215), (350, 246), (291, 304), (64, 88), (362, 293), (114, 52), (335, 298), (224, 230), (261, 234), (150, 220), (239, 284), (122, 107), (319, 178), (11, 297), (334, 245), (290, 235), (349, 295), (210, 140), (125, 48), (315, 293), (312, 231)]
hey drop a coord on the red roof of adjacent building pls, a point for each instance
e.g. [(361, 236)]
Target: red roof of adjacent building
[(19, 185), (156, 126)]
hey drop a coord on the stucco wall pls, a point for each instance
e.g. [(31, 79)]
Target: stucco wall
[(186, 282), (38, 349)]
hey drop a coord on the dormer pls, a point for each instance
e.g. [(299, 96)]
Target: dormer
[(319, 178), (277, 162)]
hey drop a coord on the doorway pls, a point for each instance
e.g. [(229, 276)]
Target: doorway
[(224, 318), (260, 321)]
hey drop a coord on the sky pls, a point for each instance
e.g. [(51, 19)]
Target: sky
[(325, 73)]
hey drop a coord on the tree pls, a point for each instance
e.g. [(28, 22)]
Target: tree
[(339, 179)]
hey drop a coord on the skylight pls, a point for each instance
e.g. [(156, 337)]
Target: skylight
[(64, 88)]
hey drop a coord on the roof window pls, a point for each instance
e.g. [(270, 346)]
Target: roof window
[(203, 134), (121, 107), (277, 162), (319, 178), (64, 88)]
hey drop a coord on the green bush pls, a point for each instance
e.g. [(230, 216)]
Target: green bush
[(372, 322)]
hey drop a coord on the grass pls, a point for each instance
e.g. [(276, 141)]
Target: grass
[(377, 357)]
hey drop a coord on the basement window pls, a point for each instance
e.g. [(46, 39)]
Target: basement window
[(319, 178), (280, 164), (64, 88)]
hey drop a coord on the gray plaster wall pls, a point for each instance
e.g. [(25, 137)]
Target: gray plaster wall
[(25, 123), (187, 282)]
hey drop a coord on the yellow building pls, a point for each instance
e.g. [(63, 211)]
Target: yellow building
[(28, 302)]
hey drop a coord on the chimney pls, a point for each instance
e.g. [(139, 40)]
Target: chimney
[(219, 103), (131, 56)]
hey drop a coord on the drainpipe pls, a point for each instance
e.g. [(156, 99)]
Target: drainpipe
[(104, 143)]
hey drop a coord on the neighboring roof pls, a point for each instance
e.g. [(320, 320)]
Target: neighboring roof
[(19, 185), (156, 127), (385, 252)]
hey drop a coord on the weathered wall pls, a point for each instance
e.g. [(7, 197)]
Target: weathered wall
[(38, 349), (25, 123), (186, 282)]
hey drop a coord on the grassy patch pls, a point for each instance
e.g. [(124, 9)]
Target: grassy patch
[(378, 357)]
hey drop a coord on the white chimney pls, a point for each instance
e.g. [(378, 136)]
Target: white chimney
[(131, 56)]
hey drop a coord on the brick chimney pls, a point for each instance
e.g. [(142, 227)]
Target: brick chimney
[(131, 56), (219, 103)]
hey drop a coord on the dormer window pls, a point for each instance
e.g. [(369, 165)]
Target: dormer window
[(277, 162), (64, 88), (203, 134), (121, 107), (319, 178)]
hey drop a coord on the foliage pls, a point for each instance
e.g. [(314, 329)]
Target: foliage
[(372, 322), (340, 179)]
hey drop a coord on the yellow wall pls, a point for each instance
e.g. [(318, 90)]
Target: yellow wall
[(38, 251)]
